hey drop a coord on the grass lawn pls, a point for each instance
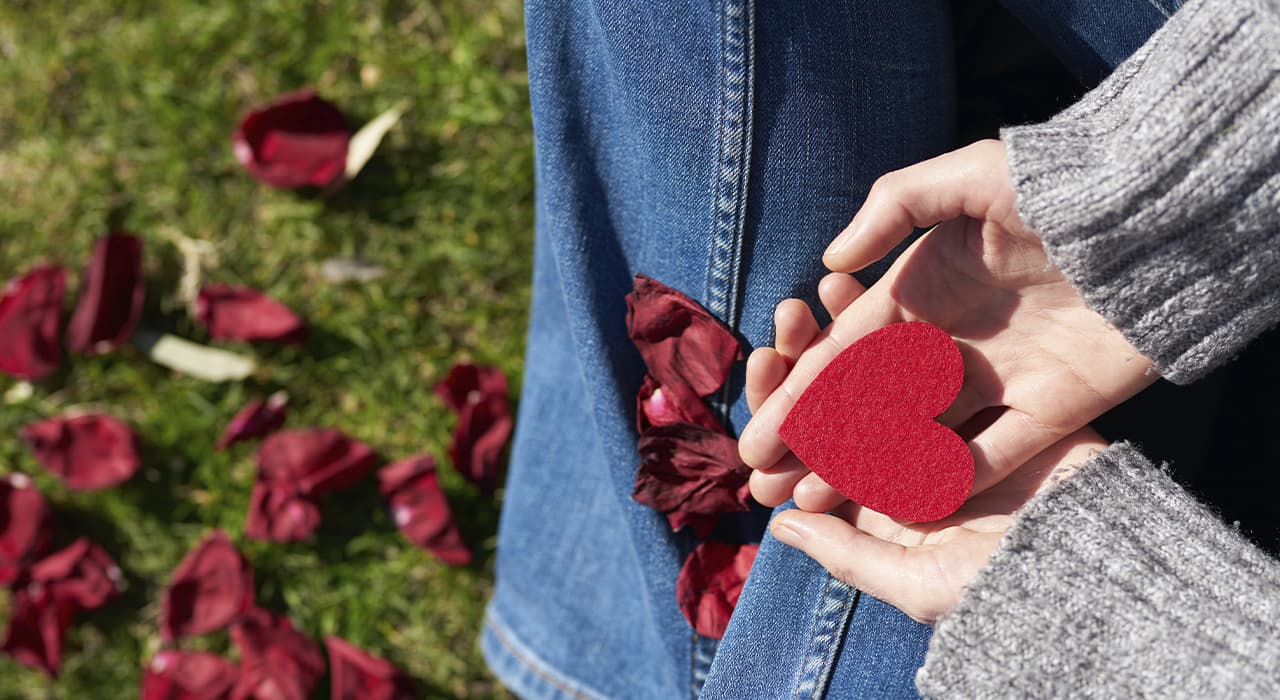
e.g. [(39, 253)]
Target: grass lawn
[(118, 114)]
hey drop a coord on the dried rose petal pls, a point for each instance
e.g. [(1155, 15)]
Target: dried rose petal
[(658, 405), (681, 342), (276, 661), (24, 526), (188, 675), (87, 452), (30, 320), (480, 439), (703, 525), (256, 419), (467, 383), (297, 140), (38, 622), (242, 313), (314, 461), (81, 574), (689, 469), (210, 588), (420, 509), (111, 296), (357, 675), (280, 514), (710, 583)]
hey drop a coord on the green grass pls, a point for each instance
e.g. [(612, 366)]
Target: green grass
[(119, 114)]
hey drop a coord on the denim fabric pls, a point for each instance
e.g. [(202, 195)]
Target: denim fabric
[(717, 146)]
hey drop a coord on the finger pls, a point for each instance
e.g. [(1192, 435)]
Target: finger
[(773, 487), (766, 369), (816, 496), (972, 181), (837, 291), (795, 328), (1008, 443), (967, 404)]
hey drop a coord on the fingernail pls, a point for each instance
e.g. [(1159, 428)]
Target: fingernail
[(841, 241), (785, 533)]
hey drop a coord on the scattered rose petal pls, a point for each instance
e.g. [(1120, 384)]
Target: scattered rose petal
[(30, 320), (702, 525), (280, 514), (276, 661), (357, 675), (467, 383), (111, 296), (38, 623), (24, 526), (242, 313), (687, 468), (188, 675), (681, 342), (297, 140), (420, 509), (341, 270), (480, 439), (658, 405), (365, 141), (210, 588), (710, 583), (87, 452), (256, 419), (81, 574), (199, 361), (314, 461)]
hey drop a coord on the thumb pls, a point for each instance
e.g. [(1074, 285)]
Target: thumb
[(865, 562), (973, 181)]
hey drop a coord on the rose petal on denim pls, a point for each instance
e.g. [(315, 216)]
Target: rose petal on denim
[(690, 469), (280, 514), (276, 660), (658, 405), (82, 574), (480, 441), (212, 586), (298, 140), (710, 583), (258, 417), (702, 525), (188, 675), (38, 623), (24, 526), (681, 342), (87, 452), (111, 296), (358, 675), (244, 313), (30, 323), (468, 383), (420, 509), (314, 461)]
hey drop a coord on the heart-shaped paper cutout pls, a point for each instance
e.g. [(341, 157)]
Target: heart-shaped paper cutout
[(866, 424)]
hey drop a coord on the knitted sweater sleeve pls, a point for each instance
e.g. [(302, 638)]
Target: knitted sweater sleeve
[(1158, 194)]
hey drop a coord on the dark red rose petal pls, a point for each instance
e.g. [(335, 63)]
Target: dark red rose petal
[(467, 383), (280, 514), (314, 461), (702, 525), (87, 452), (24, 526), (188, 675), (256, 419), (710, 583), (480, 440), (298, 140), (38, 623), (242, 313), (420, 509), (276, 661), (30, 320), (210, 588), (689, 469), (81, 574), (111, 296), (659, 405), (681, 342), (359, 676)]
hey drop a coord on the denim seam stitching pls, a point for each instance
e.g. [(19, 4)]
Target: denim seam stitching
[(536, 666), (1160, 7), (830, 622)]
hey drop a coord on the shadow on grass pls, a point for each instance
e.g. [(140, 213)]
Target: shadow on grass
[(387, 189)]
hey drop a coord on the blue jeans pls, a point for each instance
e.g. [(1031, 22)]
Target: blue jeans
[(716, 146)]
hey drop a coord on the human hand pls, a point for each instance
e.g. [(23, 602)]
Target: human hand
[(1039, 363)]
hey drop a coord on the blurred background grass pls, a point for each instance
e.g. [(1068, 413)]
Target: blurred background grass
[(119, 114)]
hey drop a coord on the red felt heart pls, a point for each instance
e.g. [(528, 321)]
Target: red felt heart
[(865, 424)]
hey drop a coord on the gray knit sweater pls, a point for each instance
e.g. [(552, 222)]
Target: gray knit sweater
[(1158, 195)]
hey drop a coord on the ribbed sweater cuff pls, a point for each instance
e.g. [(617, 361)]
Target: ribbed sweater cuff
[(1158, 194), (1114, 583)]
